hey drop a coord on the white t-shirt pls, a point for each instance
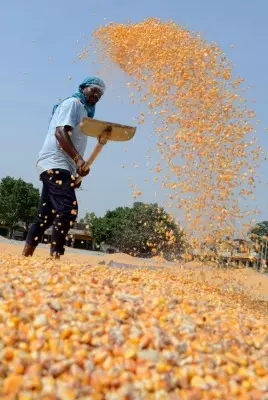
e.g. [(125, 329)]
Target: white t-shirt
[(70, 112)]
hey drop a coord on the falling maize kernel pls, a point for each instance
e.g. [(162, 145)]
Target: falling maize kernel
[(179, 71)]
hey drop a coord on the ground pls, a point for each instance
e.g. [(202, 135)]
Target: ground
[(96, 326)]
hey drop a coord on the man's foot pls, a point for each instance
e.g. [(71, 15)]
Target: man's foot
[(28, 250), (55, 256)]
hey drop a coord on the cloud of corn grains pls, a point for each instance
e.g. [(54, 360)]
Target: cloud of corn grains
[(204, 128)]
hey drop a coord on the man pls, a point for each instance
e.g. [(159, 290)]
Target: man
[(60, 160)]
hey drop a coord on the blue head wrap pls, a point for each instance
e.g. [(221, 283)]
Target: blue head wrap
[(89, 81)]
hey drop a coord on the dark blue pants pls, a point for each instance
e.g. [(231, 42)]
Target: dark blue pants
[(58, 208)]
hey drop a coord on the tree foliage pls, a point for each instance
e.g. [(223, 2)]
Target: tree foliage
[(143, 230), (88, 219), (18, 201), (260, 229)]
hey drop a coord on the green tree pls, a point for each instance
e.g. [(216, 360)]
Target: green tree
[(143, 230), (18, 202), (259, 235), (260, 229), (88, 219)]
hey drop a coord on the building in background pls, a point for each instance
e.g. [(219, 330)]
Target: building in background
[(238, 252), (79, 237)]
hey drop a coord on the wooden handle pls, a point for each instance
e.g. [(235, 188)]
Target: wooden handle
[(90, 160), (102, 141)]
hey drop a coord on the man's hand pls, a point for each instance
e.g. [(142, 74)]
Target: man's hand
[(63, 135), (77, 185), (80, 164)]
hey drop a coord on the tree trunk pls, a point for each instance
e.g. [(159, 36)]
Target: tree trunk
[(10, 232)]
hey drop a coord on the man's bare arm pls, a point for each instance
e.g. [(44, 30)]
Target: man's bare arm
[(63, 135)]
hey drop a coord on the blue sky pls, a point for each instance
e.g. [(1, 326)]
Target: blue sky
[(39, 41)]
